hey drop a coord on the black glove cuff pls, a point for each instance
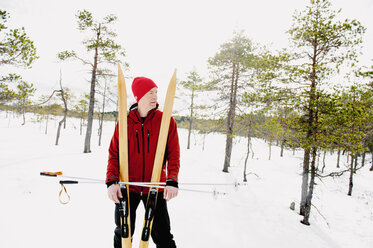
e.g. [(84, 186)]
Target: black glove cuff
[(172, 183), (111, 183)]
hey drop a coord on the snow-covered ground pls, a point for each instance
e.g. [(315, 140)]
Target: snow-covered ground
[(256, 215)]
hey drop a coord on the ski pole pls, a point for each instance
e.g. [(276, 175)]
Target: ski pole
[(93, 180), (59, 174), (160, 185), (148, 185)]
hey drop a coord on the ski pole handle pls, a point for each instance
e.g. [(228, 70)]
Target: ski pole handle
[(69, 182), (51, 174)]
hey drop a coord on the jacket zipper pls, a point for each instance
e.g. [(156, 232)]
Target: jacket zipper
[(138, 143), (143, 156), (148, 140)]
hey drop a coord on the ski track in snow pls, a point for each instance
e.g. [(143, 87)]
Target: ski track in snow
[(255, 215)]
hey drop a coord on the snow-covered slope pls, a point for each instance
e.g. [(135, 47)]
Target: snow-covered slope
[(255, 215)]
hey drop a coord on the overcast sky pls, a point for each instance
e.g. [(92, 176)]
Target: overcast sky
[(160, 35)]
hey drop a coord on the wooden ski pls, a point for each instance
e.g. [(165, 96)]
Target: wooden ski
[(158, 161), (123, 160)]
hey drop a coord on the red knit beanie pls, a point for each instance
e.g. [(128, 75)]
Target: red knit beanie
[(141, 86)]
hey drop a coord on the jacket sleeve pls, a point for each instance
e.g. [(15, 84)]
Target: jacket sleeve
[(173, 152), (112, 173)]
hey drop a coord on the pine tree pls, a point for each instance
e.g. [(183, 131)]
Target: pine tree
[(16, 49), (23, 94), (230, 67), (193, 84), (320, 44), (105, 51), (82, 108)]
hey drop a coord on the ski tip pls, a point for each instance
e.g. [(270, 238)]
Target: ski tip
[(120, 72), (173, 78), (121, 81)]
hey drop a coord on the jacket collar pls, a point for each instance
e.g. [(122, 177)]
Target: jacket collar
[(135, 115)]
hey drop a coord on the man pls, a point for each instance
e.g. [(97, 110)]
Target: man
[(144, 120)]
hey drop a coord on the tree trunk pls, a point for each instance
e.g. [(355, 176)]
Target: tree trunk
[(100, 123), (308, 202), (282, 148), (351, 184), (323, 161), (270, 149), (228, 152), (363, 159), (203, 143), (307, 154), (305, 175), (338, 157), (81, 125), (355, 166), (190, 118), (46, 125), (63, 121), (230, 120), (23, 115), (371, 168), (87, 142), (247, 156), (59, 130), (252, 151), (318, 160), (309, 135)]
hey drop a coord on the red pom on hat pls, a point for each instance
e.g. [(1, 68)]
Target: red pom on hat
[(141, 86)]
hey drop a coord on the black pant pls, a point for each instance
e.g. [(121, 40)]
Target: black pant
[(161, 231)]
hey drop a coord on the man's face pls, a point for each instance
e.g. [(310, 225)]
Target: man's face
[(149, 100)]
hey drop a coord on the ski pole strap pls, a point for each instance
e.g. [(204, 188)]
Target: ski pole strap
[(59, 196)]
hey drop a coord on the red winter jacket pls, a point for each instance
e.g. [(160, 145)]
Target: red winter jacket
[(142, 144)]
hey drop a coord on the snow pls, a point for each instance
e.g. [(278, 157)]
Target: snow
[(255, 215)]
